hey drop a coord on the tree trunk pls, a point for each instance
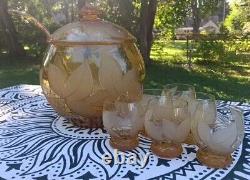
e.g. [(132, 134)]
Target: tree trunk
[(10, 34), (66, 10), (196, 18), (145, 36), (73, 5), (47, 4), (151, 19), (80, 4), (126, 8)]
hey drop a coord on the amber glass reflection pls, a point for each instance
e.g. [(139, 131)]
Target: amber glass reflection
[(185, 92), (217, 137), (143, 105), (167, 123), (77, 80), (120, 120)]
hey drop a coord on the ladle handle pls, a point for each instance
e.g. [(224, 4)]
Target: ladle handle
[(34, 21)]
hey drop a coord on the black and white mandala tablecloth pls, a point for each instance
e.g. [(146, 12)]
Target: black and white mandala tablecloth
[(36, 143)]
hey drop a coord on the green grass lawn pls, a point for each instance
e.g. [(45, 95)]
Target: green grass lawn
[(204, 78), (15, 71), (228, 79)]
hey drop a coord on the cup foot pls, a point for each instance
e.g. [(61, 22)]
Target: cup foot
[(166, 150), (124, 144), (144, 133), (213, 160), (190, 140), (83, 122)]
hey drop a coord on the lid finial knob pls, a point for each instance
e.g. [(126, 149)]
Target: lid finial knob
[(89, 13)]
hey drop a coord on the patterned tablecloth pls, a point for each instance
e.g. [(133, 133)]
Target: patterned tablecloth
[(37, 143)]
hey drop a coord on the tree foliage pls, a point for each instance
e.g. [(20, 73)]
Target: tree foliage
[(56, 13), (9, 31), (170, 15), (239, 19), (140, 17), (201, 9)]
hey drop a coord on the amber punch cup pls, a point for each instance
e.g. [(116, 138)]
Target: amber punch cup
[(217, 134), (120, 120), (186, 92), (168, 125), (143, 105), (210, 110)]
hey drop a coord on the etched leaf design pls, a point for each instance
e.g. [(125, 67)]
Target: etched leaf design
[(84, 109), (209, 109), (90, 106), (163, 111), (136, 126), (222, 139), (154, 129), (108, 119), (171, 91), (238, 116), (57, 104), (142, 108), (110, 74), (204, 132), (57, 79), (80, 83), (130, 85), (75, 87), (170, 129), (59, 61), (183, 130), (135, 57), (116, 125)]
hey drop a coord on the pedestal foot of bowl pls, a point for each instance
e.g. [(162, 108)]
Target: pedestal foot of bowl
[(83, 122), (213, 160)]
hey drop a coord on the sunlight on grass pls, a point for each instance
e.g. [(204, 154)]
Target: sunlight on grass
[(169, 52), (227, 79), (4, 52), (15, 71), (26, 48)]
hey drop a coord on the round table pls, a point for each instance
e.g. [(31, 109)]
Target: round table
[(37, 143)]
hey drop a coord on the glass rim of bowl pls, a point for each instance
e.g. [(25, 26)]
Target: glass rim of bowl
[(207, 96), (160, 94), (153, 90), (178, 85), (123, 98), (163, 98)]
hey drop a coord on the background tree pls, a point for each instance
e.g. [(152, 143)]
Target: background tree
[(9, 31), (137, 16), (81, 3), (238, 20), (125, 13), (145, 37), (140, 17), (201, 9), (170, 15), (196, 15)]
